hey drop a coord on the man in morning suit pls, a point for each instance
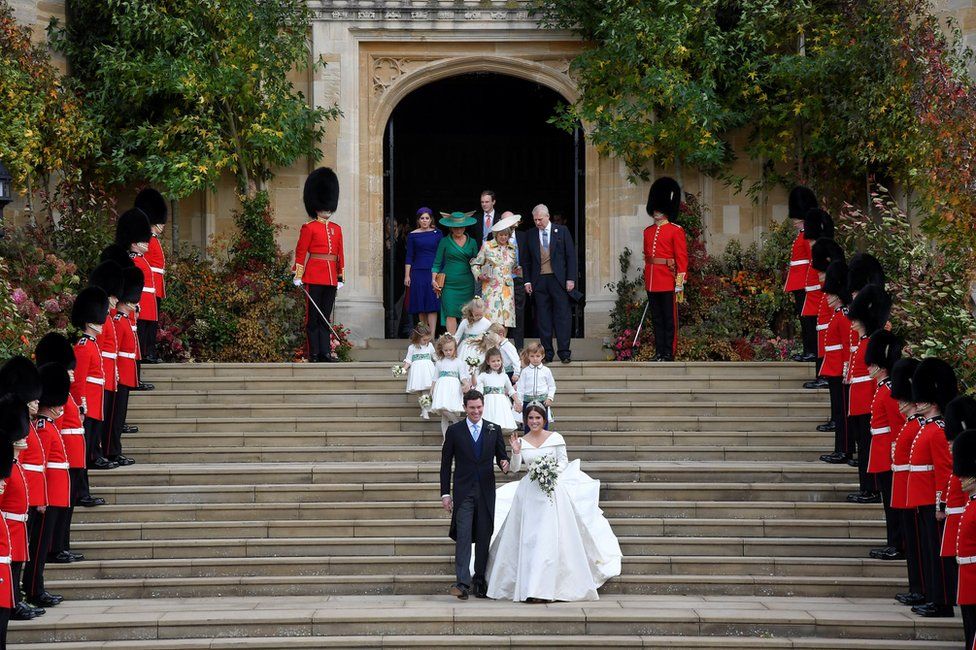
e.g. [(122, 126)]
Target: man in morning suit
[(549, 265)]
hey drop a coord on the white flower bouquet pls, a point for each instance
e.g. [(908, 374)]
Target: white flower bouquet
[(425, 401), (398, 370), (473, 361), (545, 472)]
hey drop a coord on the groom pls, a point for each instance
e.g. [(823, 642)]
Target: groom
[(472, 444)]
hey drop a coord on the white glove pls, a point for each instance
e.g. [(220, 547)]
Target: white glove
[(296, 282), (340, 285)]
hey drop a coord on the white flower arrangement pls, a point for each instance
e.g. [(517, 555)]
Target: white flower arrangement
[(473, 361), (425, 401), (545, 472), (398, 370)]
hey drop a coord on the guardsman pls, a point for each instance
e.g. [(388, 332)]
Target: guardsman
[(11, 428), (108, 277), (123, 318), (934, 385), (816, 224), (869, 311), (964, 467), (824, 252), (55, 348), (14, 427), (153, 205), (802, 199), (319, 260), (44, 521), (665, 264), (960, 414), (883, 351), (836, 357), (132, 233), (901, 391), (87, 388), (120, 256)]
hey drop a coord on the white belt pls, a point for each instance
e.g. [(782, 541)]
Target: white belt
[(96, 380), (900, 468), (921, 468), (156, 270), (878, 432), (821, 328), (127, 355), (149, 289), (861, 380), (109, 355), (833, 348), (956, 511), (57, 465), (799, 262), (813, 287), (79, 431), (13, 516), (33, 468), (966, 560), (5, 559)]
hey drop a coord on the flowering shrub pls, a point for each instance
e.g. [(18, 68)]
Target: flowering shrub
[(341, 346)]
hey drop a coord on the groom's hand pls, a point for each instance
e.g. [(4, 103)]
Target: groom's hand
[(505, 466), (448, 503)]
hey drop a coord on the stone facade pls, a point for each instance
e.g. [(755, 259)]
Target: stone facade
[(377, 52)]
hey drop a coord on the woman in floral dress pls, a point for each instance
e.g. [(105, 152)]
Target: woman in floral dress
[(494, 268)]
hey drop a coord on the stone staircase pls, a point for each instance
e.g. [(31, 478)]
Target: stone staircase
[(296, 506)]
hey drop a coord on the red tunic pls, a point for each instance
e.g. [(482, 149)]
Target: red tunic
[(900, 454), (33, 461), (128, 345), (88, 387), (157, 264), (796, 274), (836, 344), (6, 577), (930, 464), (824, 316), (13, 504), (955, 500), (862, 385), (109, 347), (147, 305), (73, 434), (56, 467), (966, 556), (811, 302), (666, 241), (882, 433), (320, 238)]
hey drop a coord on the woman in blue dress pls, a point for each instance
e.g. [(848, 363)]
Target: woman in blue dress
[(422, 303)]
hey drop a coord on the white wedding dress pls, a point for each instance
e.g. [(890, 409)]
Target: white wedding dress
[(560, 549)]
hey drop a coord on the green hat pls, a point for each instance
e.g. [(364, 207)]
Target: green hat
[(457, 219)]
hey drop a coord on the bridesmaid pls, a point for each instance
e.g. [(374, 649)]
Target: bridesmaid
[(453, 259), (422, 243)]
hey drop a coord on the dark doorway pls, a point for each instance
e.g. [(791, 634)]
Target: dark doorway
[(448, 141)]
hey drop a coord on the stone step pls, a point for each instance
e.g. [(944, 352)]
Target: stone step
[(675, 511), (584, 349), (828, 491), (366, 621)]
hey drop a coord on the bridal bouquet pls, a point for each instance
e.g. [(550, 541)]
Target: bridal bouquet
[(545, 472), (398, 370)]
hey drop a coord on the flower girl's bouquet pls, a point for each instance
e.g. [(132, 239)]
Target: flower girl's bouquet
[(545, 472), (398, 370)]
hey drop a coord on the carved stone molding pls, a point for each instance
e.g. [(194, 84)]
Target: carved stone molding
[(385, 71), (445, 10)]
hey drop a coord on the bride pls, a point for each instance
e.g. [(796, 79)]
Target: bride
[(549, 548)]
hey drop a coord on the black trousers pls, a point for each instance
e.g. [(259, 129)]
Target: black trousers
[(96, 445), (473, 526), (517, 333), (941, 572), (91, 431), (40, 533), (4, 622), (17, 572), (838, 413), (808, 324), (146, 331), (969, 624), (112, 440), (917, 580), (553, 314), (316, 330), (859, 429), (664, 318), (893, 519), (62, 532)]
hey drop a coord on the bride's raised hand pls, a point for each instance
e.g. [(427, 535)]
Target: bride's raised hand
[(516, 443)]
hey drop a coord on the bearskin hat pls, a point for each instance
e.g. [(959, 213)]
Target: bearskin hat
[(132, 283), (55, 348), (835, 281), (14, 419), (54, 384), (91, 306), (107, 276), (802, 200), (960, 415), (117, 254), (865, 269), (132, 228), (321, 192), (884, 349), (964, 454), (664, 197), (816, 224), (902, 374), (871, 306), (153, 205), (823, 252), (934, 382), (19, 376)]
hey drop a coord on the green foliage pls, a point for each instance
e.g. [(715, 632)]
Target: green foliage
[(186, 91), (254, 245), (85, 223)]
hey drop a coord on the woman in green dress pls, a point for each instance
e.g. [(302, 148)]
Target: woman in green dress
[(453, 259)]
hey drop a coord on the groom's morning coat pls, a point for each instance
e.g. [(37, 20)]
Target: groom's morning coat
[(470, 470)]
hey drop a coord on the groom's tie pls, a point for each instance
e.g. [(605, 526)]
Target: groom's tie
[(475, 435)]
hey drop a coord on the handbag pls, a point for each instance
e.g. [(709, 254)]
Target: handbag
[(439, 280)]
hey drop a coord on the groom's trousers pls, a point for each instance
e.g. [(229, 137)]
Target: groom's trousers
[(473, 525)]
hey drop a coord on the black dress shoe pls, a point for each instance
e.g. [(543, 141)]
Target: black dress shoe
[(797, 357), (892, 554), (90, 501), (122, 461), (817, 383), (45, 600), (910, 598), (852, 461), (24, 612), (868, 497), (64, 557), (835, 458), (77, 556), (144, 386), (564, 361), (130, 428), (547, 360), (931, 610), (151, 360), (808, 357), (876, 553), (103, 463), (460, 591), (827, 426)]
